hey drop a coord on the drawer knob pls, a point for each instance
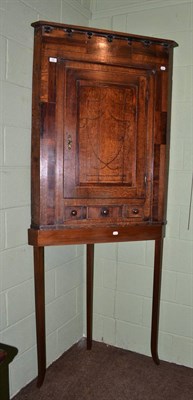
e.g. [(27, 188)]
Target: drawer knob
[(73, 213), (135, 211), (105, 212)]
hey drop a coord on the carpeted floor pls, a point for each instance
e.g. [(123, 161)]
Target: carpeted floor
[(109, 373)]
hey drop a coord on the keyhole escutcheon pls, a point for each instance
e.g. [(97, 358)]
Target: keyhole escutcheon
[(69, 142)]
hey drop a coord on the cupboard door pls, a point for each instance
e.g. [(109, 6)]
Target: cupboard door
[(107, 129)]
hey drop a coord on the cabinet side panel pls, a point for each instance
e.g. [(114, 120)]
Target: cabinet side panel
[(168, 130), (48, 162), (162, 140), (36, 121)]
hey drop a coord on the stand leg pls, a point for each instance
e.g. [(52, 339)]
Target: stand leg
[(156, 299), (40, 312), (90, 270)]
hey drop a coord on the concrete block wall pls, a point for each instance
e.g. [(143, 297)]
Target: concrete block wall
[(64, 265), (123, 272)]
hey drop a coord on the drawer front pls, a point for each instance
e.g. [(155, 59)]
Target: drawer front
[(134, 212), (104, 212), (75, 213)]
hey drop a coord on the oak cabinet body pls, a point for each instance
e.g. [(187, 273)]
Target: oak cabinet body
[(100, 143)]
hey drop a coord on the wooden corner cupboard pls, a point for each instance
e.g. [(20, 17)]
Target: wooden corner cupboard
[(100, 149)]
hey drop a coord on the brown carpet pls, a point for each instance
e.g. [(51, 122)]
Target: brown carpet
[(109, 373)]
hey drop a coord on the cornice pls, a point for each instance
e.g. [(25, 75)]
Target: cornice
[(134, 6)]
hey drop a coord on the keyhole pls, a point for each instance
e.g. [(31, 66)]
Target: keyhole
[(69, 142)]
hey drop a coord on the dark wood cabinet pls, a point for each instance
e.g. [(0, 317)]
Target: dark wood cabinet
[(100, 148)]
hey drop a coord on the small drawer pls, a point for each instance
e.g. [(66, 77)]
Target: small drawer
[(104, 212), (74, 213), (134, 212)]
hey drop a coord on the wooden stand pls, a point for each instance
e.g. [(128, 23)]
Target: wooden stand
[(156, 234), (89, 289), (40, 311)]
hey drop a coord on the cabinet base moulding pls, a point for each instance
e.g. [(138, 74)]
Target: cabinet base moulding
[(86, 235)]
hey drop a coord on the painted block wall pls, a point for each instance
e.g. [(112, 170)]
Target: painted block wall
[(64, 265), (123, 272)]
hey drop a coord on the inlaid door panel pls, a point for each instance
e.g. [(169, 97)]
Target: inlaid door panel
[(106, 124)]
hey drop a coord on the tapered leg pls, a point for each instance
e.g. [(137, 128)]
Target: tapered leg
[(156, 299), (40, 312), (90, 272)]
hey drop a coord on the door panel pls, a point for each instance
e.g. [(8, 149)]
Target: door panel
[(107, 119), (105, 132)]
